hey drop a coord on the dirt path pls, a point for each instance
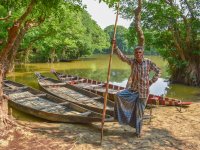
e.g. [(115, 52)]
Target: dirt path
[(168, 130)]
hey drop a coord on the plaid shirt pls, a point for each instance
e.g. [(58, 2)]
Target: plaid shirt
[(139, 78)]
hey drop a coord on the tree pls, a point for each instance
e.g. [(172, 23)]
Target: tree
[(13, 33), (18, 24), (121, 37), (70, 33), (176, 26), (94, 38), (150, 39), (55, 36), (131, 9)]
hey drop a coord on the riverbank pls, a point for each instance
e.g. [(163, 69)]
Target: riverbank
[(168, 130)]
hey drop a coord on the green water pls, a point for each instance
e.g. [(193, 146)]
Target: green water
[(95, 67)]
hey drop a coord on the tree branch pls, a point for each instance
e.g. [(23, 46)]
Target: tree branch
[(176, 33), (188, 32), (189, 8), (28, 10), (8, 16), (13, 52), (138, 27)]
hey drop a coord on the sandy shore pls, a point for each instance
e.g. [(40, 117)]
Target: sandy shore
[(168, 130)]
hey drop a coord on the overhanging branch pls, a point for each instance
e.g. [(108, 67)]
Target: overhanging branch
[(8, 16)]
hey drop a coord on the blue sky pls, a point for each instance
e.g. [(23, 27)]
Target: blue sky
[(103, 15)]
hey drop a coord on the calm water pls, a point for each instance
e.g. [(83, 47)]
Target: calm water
[(95, 67)]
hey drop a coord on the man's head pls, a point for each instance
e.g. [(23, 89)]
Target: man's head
[(138, 53)]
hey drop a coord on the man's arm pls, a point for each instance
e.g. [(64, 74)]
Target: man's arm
[(121, 56), (157, 73)]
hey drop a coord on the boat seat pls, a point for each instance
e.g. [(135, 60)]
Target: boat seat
[(94, 86), (31, 96), (98, 86), (46, 107), (66, 79), (93, 98), (85, 113), (88, 100), (16, 90), (38, 95), (12, 87), (112, 119), (98, 97), (54, 84), (76, 81), (63, 103)]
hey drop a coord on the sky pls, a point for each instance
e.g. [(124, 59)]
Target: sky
[(103, 15)]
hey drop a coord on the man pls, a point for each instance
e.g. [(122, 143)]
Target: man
[(130, 103)]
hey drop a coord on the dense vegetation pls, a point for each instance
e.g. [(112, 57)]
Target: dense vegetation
[(175, 28), (62, 34), (171, 27), (121, 38)]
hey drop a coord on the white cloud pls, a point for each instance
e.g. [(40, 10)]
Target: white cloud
[(103, 15)]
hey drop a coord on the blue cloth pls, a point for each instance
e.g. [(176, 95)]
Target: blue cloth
[(129, 109)]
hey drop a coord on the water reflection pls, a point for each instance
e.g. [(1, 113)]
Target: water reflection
[(95, 67), (160, 87)]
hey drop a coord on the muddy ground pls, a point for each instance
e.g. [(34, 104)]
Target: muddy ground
[(169, 129)]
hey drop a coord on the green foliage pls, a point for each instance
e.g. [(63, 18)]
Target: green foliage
[(121, 37), (63, 26), (3, 26), (174, 24), (94, 39), (131, 35), (110, 3)]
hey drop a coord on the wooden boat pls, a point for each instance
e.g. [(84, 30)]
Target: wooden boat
[(46, 106), (99, 88), (75, 94)]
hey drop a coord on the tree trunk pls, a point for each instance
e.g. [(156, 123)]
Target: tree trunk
[(3, 102), (13, 51), (189, 75), (140, 34), (53, 56), (177, 43), (27, 53), (12, 35), (63, 57), (5, 63)]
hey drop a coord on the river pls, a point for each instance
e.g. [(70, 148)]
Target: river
[(95, 67)]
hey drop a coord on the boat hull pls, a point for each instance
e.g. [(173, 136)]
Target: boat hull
[(93, 86), (75, 95), (48, 107)]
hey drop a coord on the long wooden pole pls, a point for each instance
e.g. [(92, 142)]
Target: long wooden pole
[(108, 75)]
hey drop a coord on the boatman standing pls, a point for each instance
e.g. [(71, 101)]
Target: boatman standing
[(130, 103)]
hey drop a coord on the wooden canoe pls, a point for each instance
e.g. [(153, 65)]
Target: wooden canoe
[(99, 88), (46, 106), (75, 94)]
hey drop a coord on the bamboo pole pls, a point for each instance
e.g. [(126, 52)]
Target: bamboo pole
[(108, 75)]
